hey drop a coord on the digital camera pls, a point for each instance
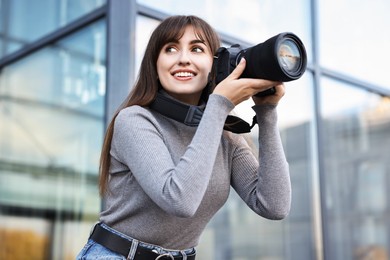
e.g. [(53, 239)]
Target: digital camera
[(280, 58)]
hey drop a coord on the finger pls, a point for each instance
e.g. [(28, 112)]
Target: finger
[(259, 84), (280, 89), (236, 73)]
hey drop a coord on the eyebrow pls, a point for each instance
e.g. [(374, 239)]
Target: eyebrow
[(197, 41), (191, 42)]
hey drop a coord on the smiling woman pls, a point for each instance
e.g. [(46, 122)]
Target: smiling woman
[(183, 67), (155, 169)]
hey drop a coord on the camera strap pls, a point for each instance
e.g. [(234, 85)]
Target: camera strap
[(191, 115), (188, 114)]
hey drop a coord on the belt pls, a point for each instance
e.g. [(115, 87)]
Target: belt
[(122, 246)]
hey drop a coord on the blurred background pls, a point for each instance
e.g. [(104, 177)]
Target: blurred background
[(65, 66)]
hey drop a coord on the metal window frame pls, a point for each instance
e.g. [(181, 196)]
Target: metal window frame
[(121, 22)]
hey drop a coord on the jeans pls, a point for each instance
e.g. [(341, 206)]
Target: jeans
[(93, 250)]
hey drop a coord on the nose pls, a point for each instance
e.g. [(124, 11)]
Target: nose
[(184, 58)]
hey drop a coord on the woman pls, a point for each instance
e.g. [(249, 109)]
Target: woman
[(162, 180)]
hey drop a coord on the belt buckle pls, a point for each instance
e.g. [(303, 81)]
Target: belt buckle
[(165, 255)]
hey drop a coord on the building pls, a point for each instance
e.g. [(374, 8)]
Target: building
[(65, 65)]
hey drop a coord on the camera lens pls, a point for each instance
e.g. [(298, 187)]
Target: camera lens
[(280, 58), (289, 57)]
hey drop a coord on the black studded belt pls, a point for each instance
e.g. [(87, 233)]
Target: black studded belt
[(123, 246)]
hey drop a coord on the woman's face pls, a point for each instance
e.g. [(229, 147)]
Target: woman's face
[(183, 67)]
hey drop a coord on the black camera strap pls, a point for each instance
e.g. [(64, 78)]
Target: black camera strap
[(188, 114), (237, 125), (191, 115)]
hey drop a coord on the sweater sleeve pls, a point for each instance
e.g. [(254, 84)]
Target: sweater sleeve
[(264, 184), (177, 188)]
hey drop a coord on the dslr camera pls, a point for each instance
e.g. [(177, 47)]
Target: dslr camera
[(280, 58)]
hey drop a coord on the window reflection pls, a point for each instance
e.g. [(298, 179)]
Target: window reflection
[(352, 45), (52, 122), (251, 21), (356, 142), (144, 29), (27, 21)]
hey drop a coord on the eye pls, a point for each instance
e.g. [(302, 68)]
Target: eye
[(197, 49), (170, 49)]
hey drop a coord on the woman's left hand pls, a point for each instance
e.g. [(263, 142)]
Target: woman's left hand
[(271, 99)]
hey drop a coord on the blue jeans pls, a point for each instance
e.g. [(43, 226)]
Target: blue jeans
[(93, 250)]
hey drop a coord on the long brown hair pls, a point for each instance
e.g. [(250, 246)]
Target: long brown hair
[(147, 84)]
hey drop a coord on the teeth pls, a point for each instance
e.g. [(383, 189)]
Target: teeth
[(184, 74)]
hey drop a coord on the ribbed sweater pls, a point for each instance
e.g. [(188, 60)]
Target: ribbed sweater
[(167, 179)]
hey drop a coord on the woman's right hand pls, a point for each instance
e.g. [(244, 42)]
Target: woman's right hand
[(238, 89)]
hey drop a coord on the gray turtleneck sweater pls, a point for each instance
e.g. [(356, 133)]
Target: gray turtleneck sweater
[(168, 179)]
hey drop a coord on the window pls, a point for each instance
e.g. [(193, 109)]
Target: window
[(356, 140), (52, 114), (24, 21), (356, 42), (250, 21)]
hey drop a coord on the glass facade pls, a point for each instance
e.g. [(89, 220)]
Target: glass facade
[(356, 40), (356, 139), (23, 22), (334, 123), (252, 21), (52, 123)]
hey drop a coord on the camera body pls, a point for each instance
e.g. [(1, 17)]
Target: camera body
[(280, 58)]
